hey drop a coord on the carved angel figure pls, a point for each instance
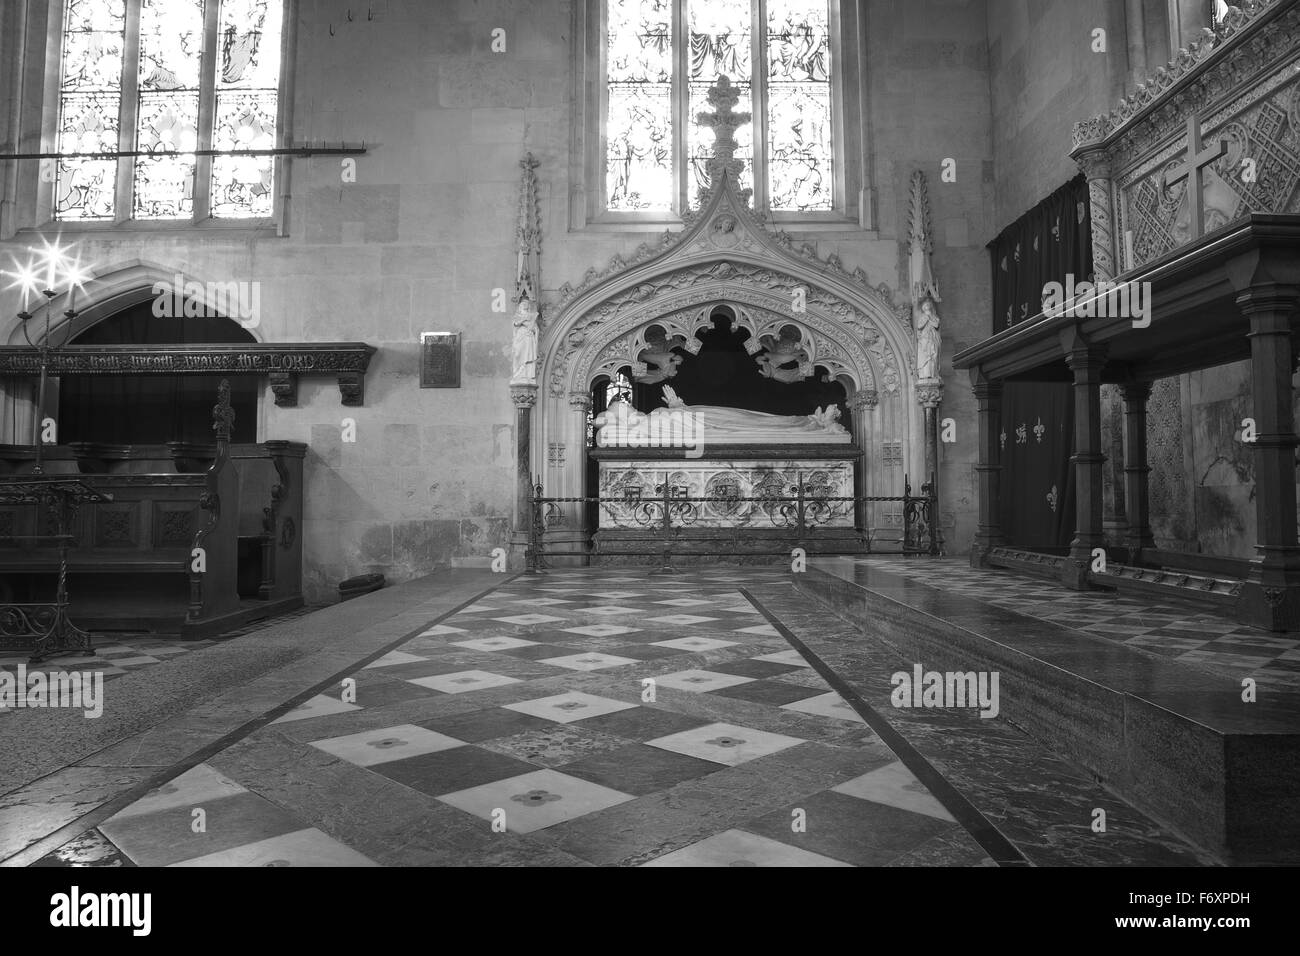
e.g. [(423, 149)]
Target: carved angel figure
[(524, 344), (659, 353), (787, 350)]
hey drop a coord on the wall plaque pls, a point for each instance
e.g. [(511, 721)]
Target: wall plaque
[(440, 360)]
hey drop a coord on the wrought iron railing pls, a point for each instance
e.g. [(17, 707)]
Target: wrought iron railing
[(795, 520)]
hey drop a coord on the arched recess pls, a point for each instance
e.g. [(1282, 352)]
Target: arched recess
[(109, 292), (726, 256)]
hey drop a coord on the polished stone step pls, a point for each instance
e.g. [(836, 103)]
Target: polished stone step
[(1174, 741)]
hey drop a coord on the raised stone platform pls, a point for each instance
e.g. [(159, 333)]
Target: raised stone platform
[(1175, 741)]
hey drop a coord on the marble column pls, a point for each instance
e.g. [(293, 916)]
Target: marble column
[(928, 396), (1096, 168), (1137, 495), (988, 469), (525, 398), (1086, 362), (861, 406), (1270, 597)]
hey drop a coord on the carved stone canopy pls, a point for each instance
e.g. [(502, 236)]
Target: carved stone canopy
[(726, 256)]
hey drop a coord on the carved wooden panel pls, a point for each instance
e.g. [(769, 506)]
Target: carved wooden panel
[(440, 360), (116, 525), (173, 526)]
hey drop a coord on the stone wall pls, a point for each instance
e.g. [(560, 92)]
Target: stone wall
[(422, 238)]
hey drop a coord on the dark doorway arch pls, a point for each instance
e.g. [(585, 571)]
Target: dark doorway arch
[(152, 409)]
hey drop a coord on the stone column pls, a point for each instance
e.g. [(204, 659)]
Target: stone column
[(524, 397), (988, 469), (580, 403), (862, 405), (928, 396), (1271, 595), (1137, 496), (1085, 361), (1096, 167)]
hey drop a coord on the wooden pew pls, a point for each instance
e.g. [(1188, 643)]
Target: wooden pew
[(164, 554)]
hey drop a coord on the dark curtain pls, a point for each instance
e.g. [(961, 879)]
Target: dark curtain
[(152, 409), (1044, 245), (1050, 242), (1037, 476)]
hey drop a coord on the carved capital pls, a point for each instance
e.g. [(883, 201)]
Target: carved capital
[(864, 398), (580, 401), (1094, 163), (1135, 394), (929, 394), (524, 396)]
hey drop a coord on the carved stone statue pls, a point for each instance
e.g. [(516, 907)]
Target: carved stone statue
[(927, 341), (780, 352), (524, 346), (715, 424), (659, 354)]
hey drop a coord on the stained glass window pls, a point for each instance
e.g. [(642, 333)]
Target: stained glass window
[(248, 80), (653, 84), (720, 39), (639, 115), (142, 66), (90, 99), (799, 150), (167, 119)]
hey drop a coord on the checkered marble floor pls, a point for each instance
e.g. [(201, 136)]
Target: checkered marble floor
[(575, 718), (1201, 638)]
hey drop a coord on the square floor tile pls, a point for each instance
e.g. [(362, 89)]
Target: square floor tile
[(480, 725), (772, 692), (612, 610), (555, 744), (847, 828), (374, 693), (600, 630), (680, 620), (318, 706), (738, 848), (699, 681), (395, 657), (763, 630), (494, 643), (440, 629), (895, 786), (478, 608), (566, 708), (446, 771), (308, 847), (590, 661), (196, 786), (826, 705), (695, 643), (461, 682), (638, 769), (167, 836), (727, 744), (644, 723), (527, 619), (753, 667), (543, 602), (383, 744), (534, 801)]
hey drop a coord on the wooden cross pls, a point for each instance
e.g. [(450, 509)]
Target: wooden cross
[(1197, 160)]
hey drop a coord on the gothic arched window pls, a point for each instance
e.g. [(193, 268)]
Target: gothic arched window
[(167, 78), (660, 57)]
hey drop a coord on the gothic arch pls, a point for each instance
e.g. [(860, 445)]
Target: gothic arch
[(726, 256)]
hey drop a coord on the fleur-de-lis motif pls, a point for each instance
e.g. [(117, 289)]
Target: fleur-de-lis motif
[(1056, 229), (1022, 433), (1052, 498), (1002, 439), (1039, 429)]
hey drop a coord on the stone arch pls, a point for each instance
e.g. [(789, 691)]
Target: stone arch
[(726, 256)]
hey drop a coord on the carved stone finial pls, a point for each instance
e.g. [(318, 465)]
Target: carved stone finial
[(223, 416), (528, 234), (723, 97)]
